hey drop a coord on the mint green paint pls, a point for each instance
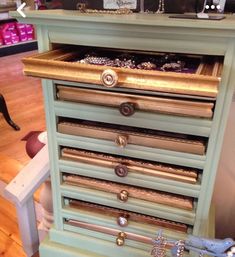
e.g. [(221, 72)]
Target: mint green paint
[(140, 32)]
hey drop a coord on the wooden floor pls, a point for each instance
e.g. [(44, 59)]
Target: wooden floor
[(25, 105), (24, 100)]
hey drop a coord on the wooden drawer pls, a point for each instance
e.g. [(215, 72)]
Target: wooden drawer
[(111, 221), (201, 80), (120, 218), (124, 193), (122, 136), (128, 104), (123, 167)]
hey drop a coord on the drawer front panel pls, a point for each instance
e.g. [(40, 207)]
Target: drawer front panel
[(177, 124), (123, 136), (119, 219), (126, 192), (156, 183), (122, 166), (145, 153), (128, 104), (59, 64)]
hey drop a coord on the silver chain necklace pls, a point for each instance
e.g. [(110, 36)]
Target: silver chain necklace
[(161, 6)]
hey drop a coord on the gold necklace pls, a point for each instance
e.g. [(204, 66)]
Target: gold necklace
[(82, 8)]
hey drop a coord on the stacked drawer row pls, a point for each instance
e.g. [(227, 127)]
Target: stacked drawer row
[(131, 158)]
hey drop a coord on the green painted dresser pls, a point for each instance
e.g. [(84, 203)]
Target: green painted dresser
[(131, 150)]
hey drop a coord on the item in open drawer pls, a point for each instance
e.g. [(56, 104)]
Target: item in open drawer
[(163, 62), (130, 192), (123, 166)]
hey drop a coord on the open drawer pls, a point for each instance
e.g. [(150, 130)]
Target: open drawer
[(150, 71)]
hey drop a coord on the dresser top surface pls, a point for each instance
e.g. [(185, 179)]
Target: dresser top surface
[(162, 20)]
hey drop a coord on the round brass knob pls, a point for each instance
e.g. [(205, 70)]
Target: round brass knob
[(123, 196), (127, 109), (122, 221), (121, 170), (109, 78), (121, 140), (120, 241)]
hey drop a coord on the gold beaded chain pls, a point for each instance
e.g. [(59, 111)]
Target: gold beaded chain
[(82, 8)]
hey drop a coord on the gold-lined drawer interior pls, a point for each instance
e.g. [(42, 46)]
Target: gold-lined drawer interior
[(126, 192), (61, 64), (122, 166), (128, 104), (122, 136)]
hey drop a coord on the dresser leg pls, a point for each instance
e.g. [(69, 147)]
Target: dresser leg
[(47, 207), (4, 111)]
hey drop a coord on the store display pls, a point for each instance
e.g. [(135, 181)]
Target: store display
[(136, 111), (14, 32)]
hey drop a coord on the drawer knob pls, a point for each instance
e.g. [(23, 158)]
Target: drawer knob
[(109, 78), (127, 109), (122, 221), (123, 196), (121, 140), (120, 241), (121, 170)]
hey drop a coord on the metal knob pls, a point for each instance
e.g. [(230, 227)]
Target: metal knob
[(109, 78), (121, 140), (122, 221), (120, 241), (121, 170), (127, 109), (123, 196)]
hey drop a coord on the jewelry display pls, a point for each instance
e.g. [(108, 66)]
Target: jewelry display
[(161, 6), (159, 248), (180, 248), (82, 8), (166, 62)]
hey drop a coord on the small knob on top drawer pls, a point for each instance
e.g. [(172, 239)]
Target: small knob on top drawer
[(109, 78), (123, 196), (127, 109), (120, 241), (121, 170)]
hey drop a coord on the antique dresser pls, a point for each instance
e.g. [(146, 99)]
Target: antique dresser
[(136, 108)]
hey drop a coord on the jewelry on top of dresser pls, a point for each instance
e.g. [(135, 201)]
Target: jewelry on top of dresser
[(82, 8), (159, 247), (161, 6), (180, 248)]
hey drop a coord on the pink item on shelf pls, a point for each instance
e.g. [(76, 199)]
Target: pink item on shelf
[(23, 38), (22, 31), (6, 36), (15, 39), (11, 25), (20, 25), (14, 33)]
